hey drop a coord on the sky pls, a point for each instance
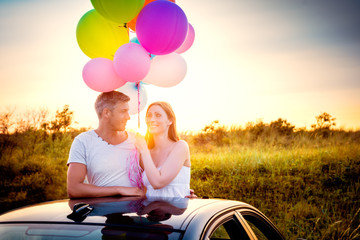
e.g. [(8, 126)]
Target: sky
[(251, 60)]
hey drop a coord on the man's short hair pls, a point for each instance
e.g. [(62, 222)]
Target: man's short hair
[(109, 100)]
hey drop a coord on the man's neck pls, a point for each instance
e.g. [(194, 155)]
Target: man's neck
[(110, 136)]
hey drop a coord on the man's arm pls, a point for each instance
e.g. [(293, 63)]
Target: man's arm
[(76, 187)]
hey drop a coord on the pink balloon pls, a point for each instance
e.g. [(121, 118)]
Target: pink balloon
[(99, 74), (166, 70), (161, 27), (189, 40), (132, 62)]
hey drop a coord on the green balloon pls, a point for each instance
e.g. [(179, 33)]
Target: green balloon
[(99, 37), (119, 11)]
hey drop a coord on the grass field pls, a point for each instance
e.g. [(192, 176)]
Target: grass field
[(306, 191), (306, 181)]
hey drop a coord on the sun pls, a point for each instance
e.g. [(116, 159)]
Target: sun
[(133, 126)]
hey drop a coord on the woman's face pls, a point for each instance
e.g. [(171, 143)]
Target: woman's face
[(156, 120)]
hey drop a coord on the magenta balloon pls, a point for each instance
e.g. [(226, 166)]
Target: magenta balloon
[(161, 27), (189, 40), (99, 75), (132, 62)]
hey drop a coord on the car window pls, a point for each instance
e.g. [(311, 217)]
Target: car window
[(229, 229), (220, 233), (262, 229), (257, 232)]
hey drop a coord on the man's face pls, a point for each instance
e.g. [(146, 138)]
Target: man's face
[(119, 116)]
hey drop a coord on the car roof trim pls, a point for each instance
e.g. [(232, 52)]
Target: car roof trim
[(98, 224)]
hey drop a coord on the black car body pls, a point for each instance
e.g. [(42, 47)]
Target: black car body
[(137, 218)]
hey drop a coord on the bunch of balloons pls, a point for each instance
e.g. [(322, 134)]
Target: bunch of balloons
[(153, 56)]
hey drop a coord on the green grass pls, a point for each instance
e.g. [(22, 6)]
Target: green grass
[(310, 190)]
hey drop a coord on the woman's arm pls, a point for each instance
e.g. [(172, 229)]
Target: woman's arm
[(171, 167)]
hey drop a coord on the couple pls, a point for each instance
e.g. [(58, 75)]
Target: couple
[(102, 155)]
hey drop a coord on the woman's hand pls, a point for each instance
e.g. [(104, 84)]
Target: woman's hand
[(192, 194), (140, 143)]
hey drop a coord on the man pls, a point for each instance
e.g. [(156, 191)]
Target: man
[(103, 154)]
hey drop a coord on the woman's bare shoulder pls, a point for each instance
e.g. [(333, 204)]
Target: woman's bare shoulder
[(181, 145)]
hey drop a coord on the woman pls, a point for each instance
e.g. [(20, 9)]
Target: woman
[(165, 158)]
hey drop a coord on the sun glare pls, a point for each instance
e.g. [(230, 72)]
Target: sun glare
[(133, 126)]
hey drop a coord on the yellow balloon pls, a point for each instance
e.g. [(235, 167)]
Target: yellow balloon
[(119, 11), (99, 37)]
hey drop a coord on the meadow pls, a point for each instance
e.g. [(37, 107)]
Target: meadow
[(307, 181)]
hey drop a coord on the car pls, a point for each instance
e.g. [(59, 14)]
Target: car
[(138, 218)]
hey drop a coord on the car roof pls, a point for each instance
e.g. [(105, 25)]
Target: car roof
[(170, 213)]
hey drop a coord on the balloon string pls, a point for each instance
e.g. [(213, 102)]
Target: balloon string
[(138, 89), (135, 170)]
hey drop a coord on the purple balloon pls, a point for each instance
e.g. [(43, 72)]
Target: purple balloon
[(161, 27)]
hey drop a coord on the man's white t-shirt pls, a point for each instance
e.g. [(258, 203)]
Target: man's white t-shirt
[(106, 164)]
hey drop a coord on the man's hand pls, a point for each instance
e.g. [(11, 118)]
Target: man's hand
[(132, 191)]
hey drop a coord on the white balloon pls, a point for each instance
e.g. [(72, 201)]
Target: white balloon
[(166, 70), (131, 90)]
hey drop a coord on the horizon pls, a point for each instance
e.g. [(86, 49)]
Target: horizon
[(18, 118)]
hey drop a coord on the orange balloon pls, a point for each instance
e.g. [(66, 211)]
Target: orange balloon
[(132, 23)]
